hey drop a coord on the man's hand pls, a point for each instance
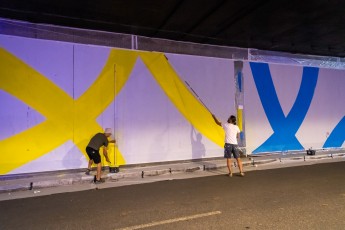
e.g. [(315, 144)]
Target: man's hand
[(216, 120), (107, 158)]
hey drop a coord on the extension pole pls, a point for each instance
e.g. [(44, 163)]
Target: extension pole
[(114, 115), (197, 96)]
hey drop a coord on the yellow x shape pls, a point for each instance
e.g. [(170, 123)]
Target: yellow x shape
[(66, 119)]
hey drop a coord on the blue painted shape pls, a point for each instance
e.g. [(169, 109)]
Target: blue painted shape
[(284, 128), (241, 136), (239, 81), (337, 136)]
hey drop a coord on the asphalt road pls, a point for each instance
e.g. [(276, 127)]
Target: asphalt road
[(305, 197)]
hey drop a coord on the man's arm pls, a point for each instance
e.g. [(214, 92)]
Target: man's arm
[(105, 153), (238, 134), (216, 120)]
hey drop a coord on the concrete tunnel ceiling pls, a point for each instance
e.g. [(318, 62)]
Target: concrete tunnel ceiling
[(294, 26)]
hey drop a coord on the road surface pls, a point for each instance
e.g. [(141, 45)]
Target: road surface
[(304, 197)]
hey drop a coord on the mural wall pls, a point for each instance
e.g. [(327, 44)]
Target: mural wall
[(55, 96), (293, 107)]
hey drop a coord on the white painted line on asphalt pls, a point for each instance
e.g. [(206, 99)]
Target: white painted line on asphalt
[(171, 220)]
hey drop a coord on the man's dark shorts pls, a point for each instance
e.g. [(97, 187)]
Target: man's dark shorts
[(231, 149), (93, 155)]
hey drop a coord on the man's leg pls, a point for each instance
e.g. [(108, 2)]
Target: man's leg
[(88, 170), (239, 162), (99, 171), (89, 154), (90, 165), (229, 164), (238, 159)]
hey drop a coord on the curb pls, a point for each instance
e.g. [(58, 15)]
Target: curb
[(204, 166)]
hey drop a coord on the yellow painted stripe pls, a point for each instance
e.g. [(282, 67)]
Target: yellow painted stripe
[(181, 97), (240, 118)]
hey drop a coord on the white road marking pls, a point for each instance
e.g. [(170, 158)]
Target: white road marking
[(171, 220)]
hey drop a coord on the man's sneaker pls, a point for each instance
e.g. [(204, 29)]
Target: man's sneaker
[(100, 181), (88, 172), (95, 179)]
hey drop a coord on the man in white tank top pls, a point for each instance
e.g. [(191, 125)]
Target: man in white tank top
[(232, 132)]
